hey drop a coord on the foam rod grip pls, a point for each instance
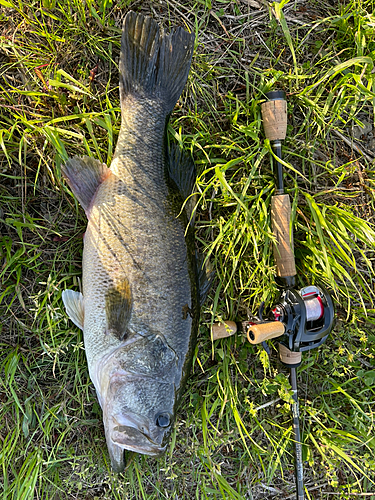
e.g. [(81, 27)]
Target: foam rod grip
[(223, 330), (274, 116), (256, 334), (283, 249)]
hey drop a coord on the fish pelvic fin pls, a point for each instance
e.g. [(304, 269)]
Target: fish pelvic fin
[(118, 309), (74, 306), (181, 170), (84, 176), (153, 65)]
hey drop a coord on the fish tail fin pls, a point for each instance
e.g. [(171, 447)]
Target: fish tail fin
[(153, 65)]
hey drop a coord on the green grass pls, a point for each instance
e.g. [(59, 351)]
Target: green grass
[(233, 438)]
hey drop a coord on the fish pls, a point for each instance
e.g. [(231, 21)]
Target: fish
[(143, 283)]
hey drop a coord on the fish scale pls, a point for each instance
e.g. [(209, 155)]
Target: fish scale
[(114, 251), (141, 284)]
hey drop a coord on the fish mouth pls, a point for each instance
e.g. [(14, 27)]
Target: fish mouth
[(129, 437), (131, 432), (133, 439)]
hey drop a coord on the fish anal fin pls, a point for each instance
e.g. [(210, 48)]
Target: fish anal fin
[(74, 306), (206, 275), (181, 170), (84, 175), (118, 308)]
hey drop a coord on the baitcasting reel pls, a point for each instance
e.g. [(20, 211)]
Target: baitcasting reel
[(303, 319)]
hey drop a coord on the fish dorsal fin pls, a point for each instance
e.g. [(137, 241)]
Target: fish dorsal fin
[(151, 64), (181, 170), (205, 275), (84, 176), (118, 308), (74, 306)]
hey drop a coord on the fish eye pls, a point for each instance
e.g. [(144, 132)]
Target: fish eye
[(163, 420)]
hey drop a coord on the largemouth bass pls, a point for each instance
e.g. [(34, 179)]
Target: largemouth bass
[(142, 289)]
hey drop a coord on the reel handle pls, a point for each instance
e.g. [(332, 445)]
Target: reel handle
[(223, 330), (258, 333), (255, 333)]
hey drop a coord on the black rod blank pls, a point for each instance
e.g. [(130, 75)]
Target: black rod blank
[(297, 437)]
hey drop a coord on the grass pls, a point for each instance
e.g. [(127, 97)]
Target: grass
[(233, 438)]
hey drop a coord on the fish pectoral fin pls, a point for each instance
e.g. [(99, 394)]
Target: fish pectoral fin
[(84, 176), (74, 306), (118, 308), (181, 170)]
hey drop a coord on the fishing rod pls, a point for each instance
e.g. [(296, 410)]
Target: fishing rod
[(300, 319)]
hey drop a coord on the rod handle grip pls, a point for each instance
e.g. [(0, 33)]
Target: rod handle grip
[(258, 333), (283, 249), (274, 114), (223, 330)]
